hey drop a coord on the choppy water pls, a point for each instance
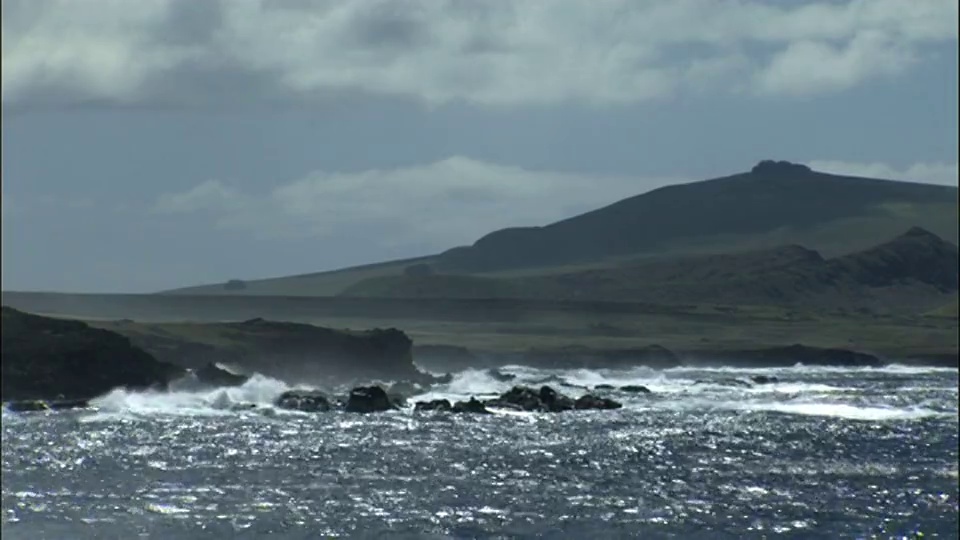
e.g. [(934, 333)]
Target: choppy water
[(826, 453)]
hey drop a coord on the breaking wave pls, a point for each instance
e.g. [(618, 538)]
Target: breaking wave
[(259, 390), (844, 393)]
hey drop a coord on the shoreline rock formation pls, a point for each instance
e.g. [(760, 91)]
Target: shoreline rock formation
[(64, 360)]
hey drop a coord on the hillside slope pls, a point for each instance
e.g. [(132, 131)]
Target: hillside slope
[(915, 271), (773, 205), (772, 196)]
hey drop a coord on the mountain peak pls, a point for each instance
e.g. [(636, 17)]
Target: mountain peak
[(917, 255), (769, 166), (920, 232)]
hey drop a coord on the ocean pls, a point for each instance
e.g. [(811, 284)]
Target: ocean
[(824, 453)]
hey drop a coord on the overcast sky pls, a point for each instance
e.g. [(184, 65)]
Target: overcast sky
[(151, 144)]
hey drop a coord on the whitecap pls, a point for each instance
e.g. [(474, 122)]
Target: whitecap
[(258, 390), (845, 411)]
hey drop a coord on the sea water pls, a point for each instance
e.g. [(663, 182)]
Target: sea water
[(823, 453)]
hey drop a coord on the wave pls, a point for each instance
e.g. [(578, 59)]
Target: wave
[(802, 390), (803, 368), (482, 383), (845, 411), (259, 390)]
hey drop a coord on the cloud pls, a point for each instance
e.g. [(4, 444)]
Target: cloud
[(810, 67), (526, 52), (439, 205), (209, 195), (928, 173), (428, 207)]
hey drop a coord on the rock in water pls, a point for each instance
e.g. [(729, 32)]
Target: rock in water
[(303, 400), (435, 405), (62, 404), (635, 389), (554, 401), (472, 406), (368, 399), (522, 397), (214, 375), (593, 402), (764, 379), (28, 405), (527, 399)]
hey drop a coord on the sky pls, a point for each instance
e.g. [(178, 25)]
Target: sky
[(153, 144)]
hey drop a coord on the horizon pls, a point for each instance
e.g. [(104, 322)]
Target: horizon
[(190, 147)]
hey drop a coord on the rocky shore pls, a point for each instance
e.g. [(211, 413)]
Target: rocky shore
[(51, 363), (56, 363), (64, 361)]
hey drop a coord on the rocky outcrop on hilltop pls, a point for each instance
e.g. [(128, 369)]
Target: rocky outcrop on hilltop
[(65, 361)]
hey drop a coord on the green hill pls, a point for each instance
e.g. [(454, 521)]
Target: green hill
[(950, 310), (773, 198), (915, 271), (773, 205)]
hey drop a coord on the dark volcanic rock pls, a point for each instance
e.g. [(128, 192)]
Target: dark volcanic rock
[(292, 352), (27, 405), (635, 389), (435, 405), (604, 387), (547, 400), (303, 400), (62, 404), (555, 401), (46, 358), (811, 356), (472, 406), (522, 397), (368, 399), (764, 379), (213, 375), (31, 405), (594, 402), (770, 167)]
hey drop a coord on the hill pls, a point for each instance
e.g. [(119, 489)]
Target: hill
[(915, 271), (773, 196), (772, 205)]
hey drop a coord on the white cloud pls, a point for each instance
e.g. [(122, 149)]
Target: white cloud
[(209, 195), (433, 207), (809, 67), (443, 204), (437, 51), (928, 173)]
